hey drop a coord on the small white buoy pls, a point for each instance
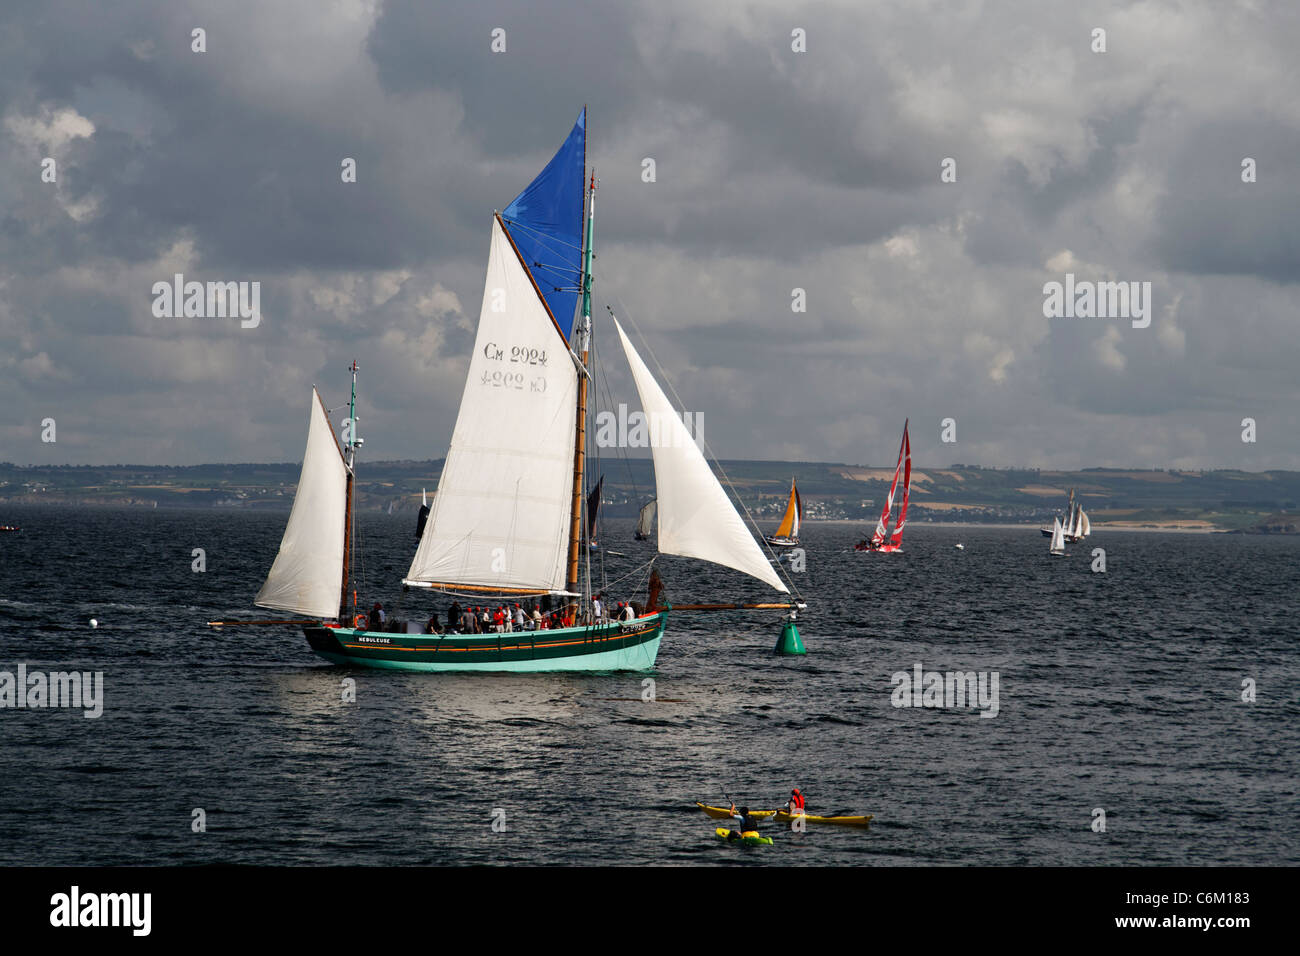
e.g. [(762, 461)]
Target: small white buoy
[(961, 547), (94, 623)]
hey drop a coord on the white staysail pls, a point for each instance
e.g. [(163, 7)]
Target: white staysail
[(500, 517), (1085, 526), (1058, 538), (307, 575), (696, 518)]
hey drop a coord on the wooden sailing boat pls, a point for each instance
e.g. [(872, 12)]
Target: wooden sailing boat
[(894, 543), (787, 533), (645, 521), (507, 520), (1057, 547)]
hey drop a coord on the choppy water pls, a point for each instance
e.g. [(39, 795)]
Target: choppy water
[(1118, 691)]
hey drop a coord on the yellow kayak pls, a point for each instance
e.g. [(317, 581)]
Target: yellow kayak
[(780, 816)]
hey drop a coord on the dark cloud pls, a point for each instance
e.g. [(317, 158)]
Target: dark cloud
[(775, 170)]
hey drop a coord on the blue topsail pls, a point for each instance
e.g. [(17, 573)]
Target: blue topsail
[(545, 222)]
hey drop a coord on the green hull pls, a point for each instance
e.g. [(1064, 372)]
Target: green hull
[(617, 646)]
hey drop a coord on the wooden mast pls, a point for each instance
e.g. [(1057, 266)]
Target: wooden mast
[(347, 519), (580, 432)]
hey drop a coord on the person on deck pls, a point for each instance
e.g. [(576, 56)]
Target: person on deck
[(498, 621), (597, 608), (537, 618), (628, 614), (453, 615), (432, 627), (485, 620), (378, 619), (519, 617)]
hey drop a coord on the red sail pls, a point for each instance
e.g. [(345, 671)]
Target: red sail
[(897, 538), (878, 538)]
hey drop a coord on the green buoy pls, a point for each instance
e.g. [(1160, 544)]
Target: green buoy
[(788, 643)]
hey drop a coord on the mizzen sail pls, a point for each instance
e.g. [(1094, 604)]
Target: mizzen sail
[(696, 518), (307, 573)]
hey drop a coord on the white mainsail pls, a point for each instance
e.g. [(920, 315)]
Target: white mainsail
[(307, 575), (696, 518), (501, 515), (1058, 538), (1085, 526)]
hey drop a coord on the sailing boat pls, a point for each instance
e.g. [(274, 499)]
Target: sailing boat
[(1057, 547), (787, 534), (895, 542), (593, 510), (1074, 523), (506, 522), (645, 521)]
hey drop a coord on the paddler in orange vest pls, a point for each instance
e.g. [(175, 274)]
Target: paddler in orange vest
[(795, 807)]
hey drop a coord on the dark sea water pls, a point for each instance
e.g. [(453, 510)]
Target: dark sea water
[(1120, 691)]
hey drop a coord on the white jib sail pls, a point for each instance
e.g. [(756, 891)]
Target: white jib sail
[(696, 518), (500, 517), (307, 575), (1058, 537)]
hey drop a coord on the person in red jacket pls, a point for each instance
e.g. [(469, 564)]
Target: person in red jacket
[(796, 805)]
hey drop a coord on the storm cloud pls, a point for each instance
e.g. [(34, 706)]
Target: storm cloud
[(776, 170)]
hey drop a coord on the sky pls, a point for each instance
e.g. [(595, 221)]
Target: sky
[(776, 169)]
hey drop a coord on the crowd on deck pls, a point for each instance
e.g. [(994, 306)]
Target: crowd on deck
[(508, 618)]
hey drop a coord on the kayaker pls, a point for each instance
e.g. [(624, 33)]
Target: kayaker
[(796, 805), (748, 824)]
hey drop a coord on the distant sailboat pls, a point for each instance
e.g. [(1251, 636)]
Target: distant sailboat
[(1057, 547), (787, 534), (422, 517), (1074, 523), (645, 521), (593, 511), (506, 522), (895, 542)]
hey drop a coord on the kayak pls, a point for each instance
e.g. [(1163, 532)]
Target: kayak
[(722, 813), (863, 821), (780, 816), (731, 837)]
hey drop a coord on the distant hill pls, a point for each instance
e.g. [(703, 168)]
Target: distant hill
[(1225, 500)]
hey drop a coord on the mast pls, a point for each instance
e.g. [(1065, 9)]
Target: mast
[(580, 436), (351, 455)]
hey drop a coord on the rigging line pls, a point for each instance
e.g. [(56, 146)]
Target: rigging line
[(542, 237), (709, 452)]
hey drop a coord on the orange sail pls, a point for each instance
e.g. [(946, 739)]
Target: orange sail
[(789, 527)]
